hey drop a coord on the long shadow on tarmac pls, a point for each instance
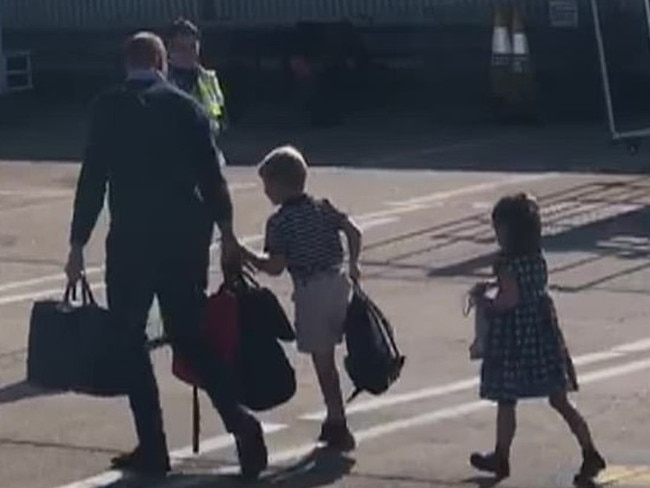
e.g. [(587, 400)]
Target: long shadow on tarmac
[(22, 390), (319, 468), (603, 219), (478, 481), (57, 445)]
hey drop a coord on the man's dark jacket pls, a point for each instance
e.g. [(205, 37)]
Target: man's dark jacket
[(152, 146)]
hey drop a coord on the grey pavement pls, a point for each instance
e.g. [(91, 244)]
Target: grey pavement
[(427, 240)]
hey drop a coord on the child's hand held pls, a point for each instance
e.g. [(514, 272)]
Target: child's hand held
[(251, 259)]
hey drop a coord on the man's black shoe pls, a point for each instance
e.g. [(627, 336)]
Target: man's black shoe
[(140, 462), (251, 449)]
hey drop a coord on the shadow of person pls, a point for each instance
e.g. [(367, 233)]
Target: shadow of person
[(320, 467), (22, 390), (484, 481)]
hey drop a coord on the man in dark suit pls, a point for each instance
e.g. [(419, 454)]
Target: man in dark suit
[(152, 145)]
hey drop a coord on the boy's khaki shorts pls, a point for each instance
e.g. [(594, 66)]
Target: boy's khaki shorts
[(321, 304)]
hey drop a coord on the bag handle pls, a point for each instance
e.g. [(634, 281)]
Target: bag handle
[(87, 294), (70, 293), (87, 297), (248, 279), (243, 279)]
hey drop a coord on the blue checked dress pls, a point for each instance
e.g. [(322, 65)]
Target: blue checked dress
[(525, 354)]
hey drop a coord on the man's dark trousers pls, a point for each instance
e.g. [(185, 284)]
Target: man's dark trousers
[(174, 272)]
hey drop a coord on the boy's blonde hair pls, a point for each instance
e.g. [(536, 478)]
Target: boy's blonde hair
[(285, 165)]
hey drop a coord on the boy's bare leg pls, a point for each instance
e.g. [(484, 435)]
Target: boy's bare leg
[(335, 432), (330, 385)]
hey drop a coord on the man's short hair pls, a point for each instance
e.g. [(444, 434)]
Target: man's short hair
[(285, 165), (144, 50), (184, 27)]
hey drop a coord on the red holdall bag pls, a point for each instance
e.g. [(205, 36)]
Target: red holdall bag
[(220, 329)]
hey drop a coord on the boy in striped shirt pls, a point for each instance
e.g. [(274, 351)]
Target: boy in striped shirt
[(303, 237)]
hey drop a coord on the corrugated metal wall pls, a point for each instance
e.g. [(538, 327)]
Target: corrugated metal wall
[(107, 14), (394, 11), (92, 14), (82, 38), (376, 11)]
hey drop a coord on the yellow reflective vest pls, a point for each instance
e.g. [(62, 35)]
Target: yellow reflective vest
[(208, 92)]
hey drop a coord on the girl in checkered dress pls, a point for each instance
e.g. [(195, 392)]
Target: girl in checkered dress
[(525, 355)]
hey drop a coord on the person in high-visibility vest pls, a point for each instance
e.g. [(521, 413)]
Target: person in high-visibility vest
[(187, 73)]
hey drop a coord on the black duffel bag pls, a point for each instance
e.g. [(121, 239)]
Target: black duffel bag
[(259, 305), (265, 376), (77, 347)]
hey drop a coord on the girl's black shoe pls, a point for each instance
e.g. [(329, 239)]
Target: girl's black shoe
[(491, 463), (592, 464)]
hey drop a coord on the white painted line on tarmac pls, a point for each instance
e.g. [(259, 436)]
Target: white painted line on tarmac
[(482, 206), (430, 151), (69, 192), (597, 357), (480, 187), (243, 186), (65, 199), (43, 294), (613, 372), (98, 285), (400, 207), (219, 442), (397, 399), (467, 384), (412, 206), (39, 281), (36, 192), (53, 292), (638, 346), (429, 418), (372, 223), (420, 420), (209, 445)]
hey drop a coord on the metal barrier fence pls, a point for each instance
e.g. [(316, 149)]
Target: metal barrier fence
[(633, 136)]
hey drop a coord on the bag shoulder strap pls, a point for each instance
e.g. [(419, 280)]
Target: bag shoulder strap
[(386, 328)]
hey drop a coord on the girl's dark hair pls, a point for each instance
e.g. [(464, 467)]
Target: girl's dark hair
[(519, 216)]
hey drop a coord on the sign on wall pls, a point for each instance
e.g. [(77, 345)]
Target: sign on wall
[(563, 13)]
